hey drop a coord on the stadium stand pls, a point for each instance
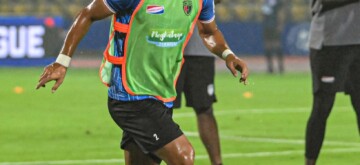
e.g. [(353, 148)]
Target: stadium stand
[(228, 10)]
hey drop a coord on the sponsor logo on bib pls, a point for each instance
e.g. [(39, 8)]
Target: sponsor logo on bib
[(165, 38), (155, 9)]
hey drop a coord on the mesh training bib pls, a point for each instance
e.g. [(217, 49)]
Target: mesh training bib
[(155, 38)]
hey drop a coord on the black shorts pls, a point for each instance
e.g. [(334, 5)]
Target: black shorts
[(196, 80), (336, 68), (148, 123)]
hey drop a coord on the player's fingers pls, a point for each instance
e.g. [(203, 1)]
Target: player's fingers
[(232, 69), (240, 66), (244, 81), (46, 71), (43, 79), (45, 74), (42, 82), (244, 75), (57, 84)]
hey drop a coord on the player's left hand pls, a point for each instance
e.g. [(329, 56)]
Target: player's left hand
[(54, 71), (236, 64)]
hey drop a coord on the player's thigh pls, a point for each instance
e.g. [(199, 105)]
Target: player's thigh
[(177, 151), (353, 79), (148, 123), (329, 67), (135, 156)]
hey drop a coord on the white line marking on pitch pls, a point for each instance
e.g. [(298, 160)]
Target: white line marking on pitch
[(59, 162), (281, 153), (276, 140), (230, 155), (253, 111), (237, 138)]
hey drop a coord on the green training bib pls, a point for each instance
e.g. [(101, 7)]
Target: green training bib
[(156, 36)]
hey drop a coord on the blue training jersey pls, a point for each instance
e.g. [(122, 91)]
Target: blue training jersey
[(123, 10)]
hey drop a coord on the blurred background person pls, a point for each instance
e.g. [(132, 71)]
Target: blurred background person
[(335, 65), (272, 29)]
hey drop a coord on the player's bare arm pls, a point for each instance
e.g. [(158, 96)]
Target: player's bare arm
[(215, 42), (56, 71)]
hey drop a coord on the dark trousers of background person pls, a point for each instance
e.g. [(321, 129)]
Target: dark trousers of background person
[(272, 48), (334, 69)]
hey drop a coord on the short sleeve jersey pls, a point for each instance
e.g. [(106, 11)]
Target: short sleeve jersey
[(123, 10)]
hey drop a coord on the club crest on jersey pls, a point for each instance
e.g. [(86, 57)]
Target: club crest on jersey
[(187, 6), (155, 9)]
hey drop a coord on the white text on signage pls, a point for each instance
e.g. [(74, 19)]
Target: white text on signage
[(22, 41)]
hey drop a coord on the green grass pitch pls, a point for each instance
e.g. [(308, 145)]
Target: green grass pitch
[(73, 126)]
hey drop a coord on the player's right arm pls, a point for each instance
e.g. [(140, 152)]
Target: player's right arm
[(96, 10), (215, 42)]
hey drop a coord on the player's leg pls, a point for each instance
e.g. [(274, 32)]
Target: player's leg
[(355, 100), (325, 77), (135, 156), (354, 83), (269, 40), (315, 130), (200, 94), (280, 57), (149, 125), (269, 60), (209, 134), (177, 152)]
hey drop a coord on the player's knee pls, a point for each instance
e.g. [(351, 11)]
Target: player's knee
[(355, 97), (322, 105), (328, 93), (324, 100), (186, 155), (204, 110)]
